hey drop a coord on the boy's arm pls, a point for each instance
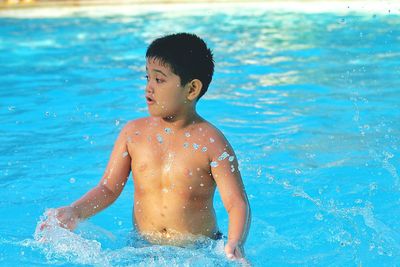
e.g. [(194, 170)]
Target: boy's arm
[(224, 169), (112, 182)]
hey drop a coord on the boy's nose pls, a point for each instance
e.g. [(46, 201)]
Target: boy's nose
[(149, 89)]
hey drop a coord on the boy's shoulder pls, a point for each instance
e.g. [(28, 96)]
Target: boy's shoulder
[(137, 123), (216, 139), (211, 130)]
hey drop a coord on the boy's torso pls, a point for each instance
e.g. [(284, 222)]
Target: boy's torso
[(174, 187)]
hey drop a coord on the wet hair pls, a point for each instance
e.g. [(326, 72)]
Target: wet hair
[(187, 56)]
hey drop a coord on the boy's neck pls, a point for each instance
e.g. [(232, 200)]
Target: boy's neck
[(180, 122)]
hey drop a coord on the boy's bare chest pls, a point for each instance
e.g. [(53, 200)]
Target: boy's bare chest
[(170, 165)]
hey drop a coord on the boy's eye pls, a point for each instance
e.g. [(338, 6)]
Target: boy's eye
[(157, 80)]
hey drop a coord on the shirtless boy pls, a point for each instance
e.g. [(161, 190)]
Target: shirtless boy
[(177, 158)]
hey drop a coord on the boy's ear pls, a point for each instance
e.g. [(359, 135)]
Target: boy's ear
[(194, 89)]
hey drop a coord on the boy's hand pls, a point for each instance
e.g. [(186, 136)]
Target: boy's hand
[(234, 250), (67, 217)]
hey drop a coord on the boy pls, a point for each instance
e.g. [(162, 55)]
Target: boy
[(177, 158)]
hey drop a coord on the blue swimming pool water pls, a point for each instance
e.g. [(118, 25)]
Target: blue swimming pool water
[(309, 101)]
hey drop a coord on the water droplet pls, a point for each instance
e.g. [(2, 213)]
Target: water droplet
[(190, 188), (124, 154), (159, 138), (232, 168), (105, 182), (165, 190), (116, 122), (204, 149), (297, 171), (371, 246), (213, 164), (319, 216), (373, 186), (195, 146), (212, 140), (186, 145), (223, 156), (231, 158), (72, 180), (187, 134), (137, 133), (168, 130), (129, 139), (201, 184), (388, 155)]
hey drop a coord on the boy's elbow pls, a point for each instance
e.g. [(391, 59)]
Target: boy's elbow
[(108, 192), (239, 204)]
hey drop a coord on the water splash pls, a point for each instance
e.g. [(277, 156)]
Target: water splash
[(61, 246)]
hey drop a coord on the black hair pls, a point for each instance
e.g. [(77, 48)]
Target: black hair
[(187, 55)]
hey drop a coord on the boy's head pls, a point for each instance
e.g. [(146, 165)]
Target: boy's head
[(186, 55), (179, 70)]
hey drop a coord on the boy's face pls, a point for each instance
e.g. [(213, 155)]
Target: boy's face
[(165, 90)]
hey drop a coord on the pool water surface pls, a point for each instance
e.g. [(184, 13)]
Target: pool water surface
[(308, 100)]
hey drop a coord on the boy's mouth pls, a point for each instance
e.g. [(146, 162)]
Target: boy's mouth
[(150, 100)]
